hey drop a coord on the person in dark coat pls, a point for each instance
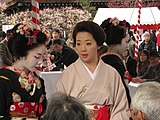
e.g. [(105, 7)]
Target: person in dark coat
[(153, 71), (143, 62), (130, 63), (64, 55), (147, 43), (6, 58)]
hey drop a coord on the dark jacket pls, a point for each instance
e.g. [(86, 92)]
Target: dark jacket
[(6, 58), (150, 46), (152, 74), (142, 67), (66, 57), (131, 65)]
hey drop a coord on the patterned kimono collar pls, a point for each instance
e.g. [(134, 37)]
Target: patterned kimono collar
[(28, 81)]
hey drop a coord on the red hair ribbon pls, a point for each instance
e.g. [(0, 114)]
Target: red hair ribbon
[(36, 32), (32, 39)]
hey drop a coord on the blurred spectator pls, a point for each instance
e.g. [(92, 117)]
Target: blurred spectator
[(131, 46), (64, 55), (6, 58), (147, 43), (63, 107), (158, 41), (146, 102), (143, 62), (130, 63), (153, 71), (56, 34), (2, 35), (153, 36)]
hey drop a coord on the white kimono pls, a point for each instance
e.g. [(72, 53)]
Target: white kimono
[(105, 89)]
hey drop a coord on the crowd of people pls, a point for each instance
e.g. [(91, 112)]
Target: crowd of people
[(96, 69), (63, 18)]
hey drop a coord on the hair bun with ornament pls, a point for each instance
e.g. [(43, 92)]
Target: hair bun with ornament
[(25, 37), (114, 32)]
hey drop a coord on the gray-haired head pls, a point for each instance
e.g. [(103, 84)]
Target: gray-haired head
[(65, 107), (146, 34), (147, 100)]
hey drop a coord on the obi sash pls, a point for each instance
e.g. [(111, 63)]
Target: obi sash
[(25, 109), (99, 112)]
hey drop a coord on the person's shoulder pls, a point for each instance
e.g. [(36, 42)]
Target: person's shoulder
[(65, 47), (151, 42), (69, 49), (132, 59), (111, 59), (5, 75), (108, 67), (3, 43)]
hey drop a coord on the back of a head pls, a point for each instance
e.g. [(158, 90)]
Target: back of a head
[(57, 41), (146, 52), (114, 32), (146, 34), (63, 107), (147, 100), (2, 34), (153, 53)]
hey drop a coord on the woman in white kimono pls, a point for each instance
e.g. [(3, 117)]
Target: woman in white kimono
[(97, 85)]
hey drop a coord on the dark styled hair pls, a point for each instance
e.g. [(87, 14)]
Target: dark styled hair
[(114, 34), (153, 53), (146, 52), (2, 34), (56, 30), (103, 49), (125, 25), (19, 44), (92, 28), (63, 107), (57, 41)]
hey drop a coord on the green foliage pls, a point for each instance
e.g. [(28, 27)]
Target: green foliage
[(86, 6)]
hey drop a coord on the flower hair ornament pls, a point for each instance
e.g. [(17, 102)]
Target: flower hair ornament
[(27, 29), (114, 21), (33, 39)]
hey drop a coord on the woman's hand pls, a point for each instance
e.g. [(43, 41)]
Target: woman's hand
[(137, 79)]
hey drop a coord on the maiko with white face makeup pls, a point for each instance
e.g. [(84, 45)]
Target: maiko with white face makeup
[(117, 39), (22, 91)]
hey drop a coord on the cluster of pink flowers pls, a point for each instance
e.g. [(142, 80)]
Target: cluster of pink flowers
[(114, 21), (63, 18), (24, 29)]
